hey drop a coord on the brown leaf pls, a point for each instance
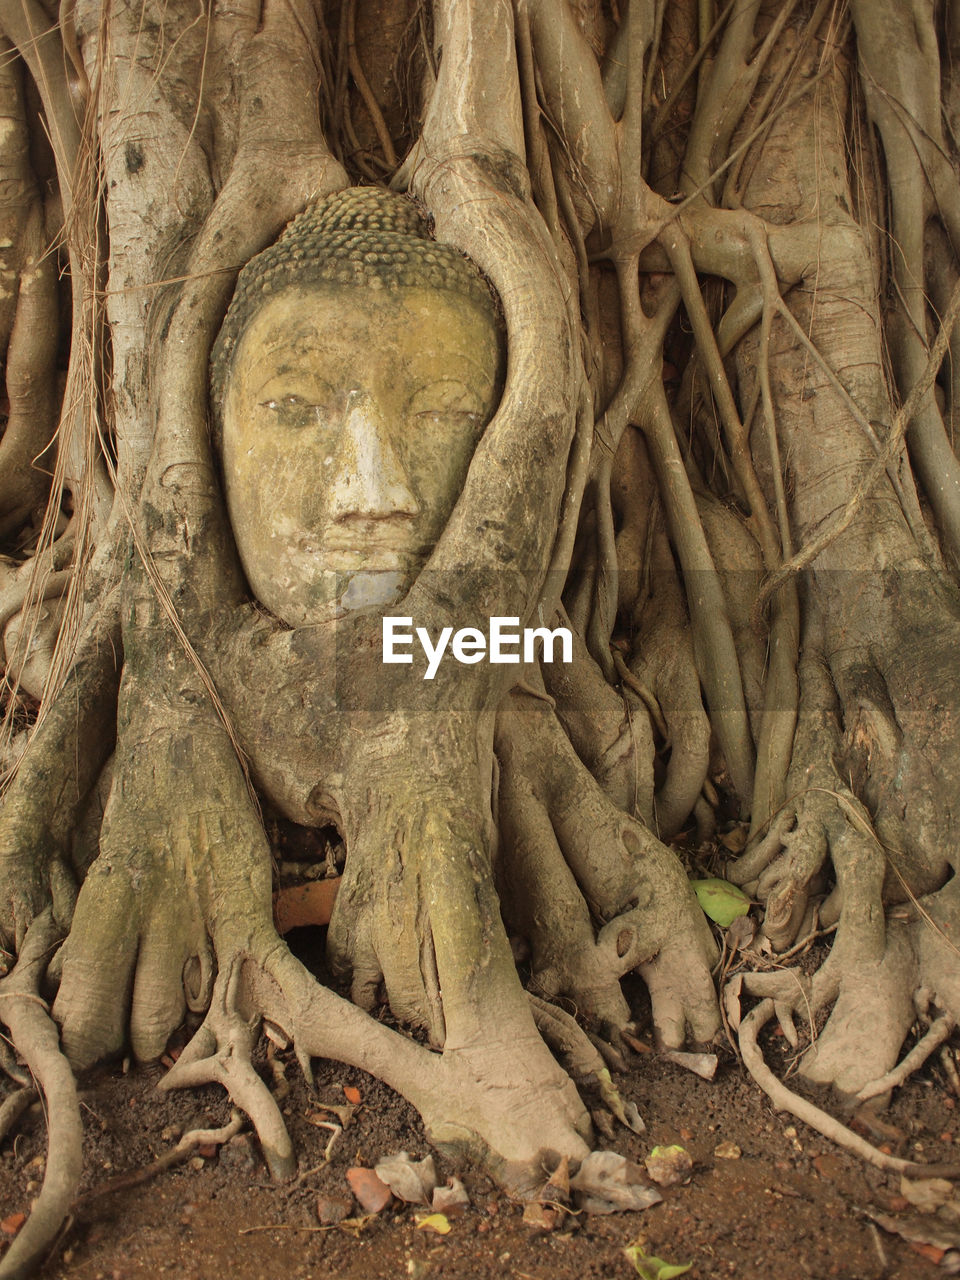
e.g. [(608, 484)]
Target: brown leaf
[(539, 1216), (343, 1114), (410, 1180), (558, 1186), (735, 839), (12, 1223), (352, 1094), (606, 1182), (926, 1194), (372, 1193), (703, 1065), (451, 1199)]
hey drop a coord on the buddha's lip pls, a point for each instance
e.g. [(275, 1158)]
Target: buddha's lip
[(363, 552), (366, 560)]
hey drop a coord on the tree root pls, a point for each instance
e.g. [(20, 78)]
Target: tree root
[(10, 1066), (220, 1053), (785, 1099), (936, 1034), (35, 1035), (13, 1108), (176, 1155)]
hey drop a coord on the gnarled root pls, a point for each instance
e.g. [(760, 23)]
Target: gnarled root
[(45, 799), (786, 1100), (514, 1117), (596, 894), (35, 1035), (220, 1053), (879, 974)]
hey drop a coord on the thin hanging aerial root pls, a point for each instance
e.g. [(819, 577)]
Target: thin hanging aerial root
[(785, 1100), (37, 1039), (220, 1053), (938, 1031)]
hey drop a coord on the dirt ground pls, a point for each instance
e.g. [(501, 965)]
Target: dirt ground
[(789, 1206)]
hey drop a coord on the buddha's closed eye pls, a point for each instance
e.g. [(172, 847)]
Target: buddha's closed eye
[(296, 412)]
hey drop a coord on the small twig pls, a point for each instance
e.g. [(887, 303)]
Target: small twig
[(878, 1246), (336, 1130), (349, 1224), (805, 942), (937, 1032)]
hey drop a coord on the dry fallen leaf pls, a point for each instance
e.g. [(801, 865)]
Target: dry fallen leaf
[(928, 1251), (12, 1223), (372, 1193), (636, 1045), (352, 1094), (539, 1217), (607, 1182), (558, 1185), (436, 1222), (917, 1230), (735, 840), (409, 1180), (703, 1065), (343, 1114), (668, 1166), (451, 1199), (926, 1194)]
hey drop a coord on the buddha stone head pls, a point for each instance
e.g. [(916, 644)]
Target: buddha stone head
[(353, 376)]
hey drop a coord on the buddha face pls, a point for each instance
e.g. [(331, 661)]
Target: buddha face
[(349, 421)]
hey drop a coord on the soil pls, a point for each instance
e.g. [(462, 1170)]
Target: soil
[(788, 1206)]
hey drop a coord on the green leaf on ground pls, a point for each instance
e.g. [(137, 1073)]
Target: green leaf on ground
[(651, 1268), (721, 901)]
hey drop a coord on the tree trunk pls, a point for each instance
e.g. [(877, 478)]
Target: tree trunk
[(723, 244)]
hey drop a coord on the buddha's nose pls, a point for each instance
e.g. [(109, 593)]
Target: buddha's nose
[(371, 482)]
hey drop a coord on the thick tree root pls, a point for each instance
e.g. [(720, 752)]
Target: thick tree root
[(35, 1035), (785, 1100), (596, 894), (517, 1118)]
